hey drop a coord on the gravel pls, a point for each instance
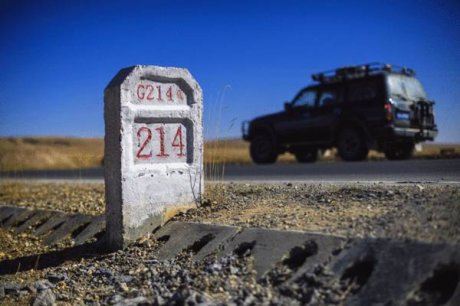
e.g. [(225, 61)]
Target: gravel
[(230, 280), (425, 212), (85, 198), (135, 276)]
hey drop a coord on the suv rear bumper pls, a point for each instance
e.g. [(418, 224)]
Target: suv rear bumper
[(412, 133)]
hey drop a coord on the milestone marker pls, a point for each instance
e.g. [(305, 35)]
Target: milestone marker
[(153, 149)]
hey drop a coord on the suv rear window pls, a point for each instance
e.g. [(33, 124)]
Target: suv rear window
[(404, 87)]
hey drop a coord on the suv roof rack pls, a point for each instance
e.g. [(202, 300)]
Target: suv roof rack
[(353, 72)]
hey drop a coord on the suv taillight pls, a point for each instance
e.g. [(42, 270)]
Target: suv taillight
[(388, 111)]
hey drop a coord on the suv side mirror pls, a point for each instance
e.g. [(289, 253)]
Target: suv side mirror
[(288, 106)]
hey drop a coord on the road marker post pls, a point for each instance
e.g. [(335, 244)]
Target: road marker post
[(153, 155)]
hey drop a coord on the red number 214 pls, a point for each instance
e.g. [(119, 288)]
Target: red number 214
[(176, 143)]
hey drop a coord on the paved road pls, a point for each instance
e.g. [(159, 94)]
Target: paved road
[(446, 170), (393, 171)]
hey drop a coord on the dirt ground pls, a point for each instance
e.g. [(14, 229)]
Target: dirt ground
[(423, 212)]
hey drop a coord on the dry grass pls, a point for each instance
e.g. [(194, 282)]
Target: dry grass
[(50, 153), (40, 153), (234, 151)]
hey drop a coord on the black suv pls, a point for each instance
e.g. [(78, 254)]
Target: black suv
[(373, 106)]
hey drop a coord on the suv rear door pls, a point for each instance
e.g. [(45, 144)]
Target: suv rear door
[(365, 100)]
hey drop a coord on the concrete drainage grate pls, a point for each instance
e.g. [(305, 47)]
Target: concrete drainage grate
[(375, 271), (178, 236), (52, 226), (268, 247)]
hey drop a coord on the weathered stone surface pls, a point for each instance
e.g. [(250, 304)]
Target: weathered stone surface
[(153, 149)]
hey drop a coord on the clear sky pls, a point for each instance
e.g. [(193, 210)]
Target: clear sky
[(56, 57)]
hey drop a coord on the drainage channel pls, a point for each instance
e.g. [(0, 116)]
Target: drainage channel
[(53, 226), (375, 271)]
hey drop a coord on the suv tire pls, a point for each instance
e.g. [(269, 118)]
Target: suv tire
[(263, 149), (400, 152), (307, 156), (352, 145)]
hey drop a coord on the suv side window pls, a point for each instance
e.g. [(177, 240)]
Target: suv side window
[(305, 99), (327, 98), (364, 90)]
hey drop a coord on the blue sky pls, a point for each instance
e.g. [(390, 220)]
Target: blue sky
[(56, 57)]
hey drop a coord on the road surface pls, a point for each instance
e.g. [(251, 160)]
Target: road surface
[(441, 170)]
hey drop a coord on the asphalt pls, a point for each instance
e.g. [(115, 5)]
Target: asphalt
[(417, 170), (447, 170)]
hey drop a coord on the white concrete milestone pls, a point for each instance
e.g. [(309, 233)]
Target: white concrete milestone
[(153, 149)]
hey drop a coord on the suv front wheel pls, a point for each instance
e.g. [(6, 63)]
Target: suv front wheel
[(263, 149), (352, 145)]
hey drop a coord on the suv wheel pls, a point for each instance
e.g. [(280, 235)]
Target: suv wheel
[(263, 149), (352, 145), (400, 151), (307, 156)]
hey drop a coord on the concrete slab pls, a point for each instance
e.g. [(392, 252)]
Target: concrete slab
[(56, 219), (18, 217), (37, 218), (53, 225), (6, 212), (73, 223), (269, 247), (201, 239), (397, 272), (96, 227), (382, 271), (318, 249)]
